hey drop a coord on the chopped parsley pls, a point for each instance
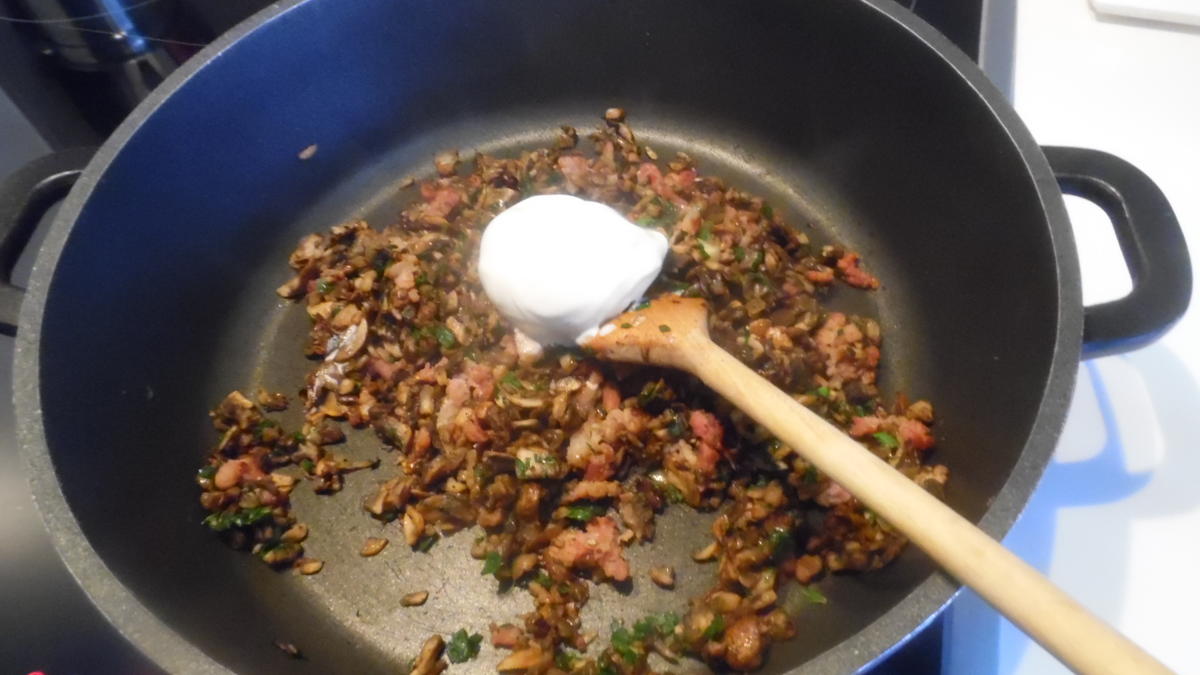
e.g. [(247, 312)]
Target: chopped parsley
[(583, 513), (444, 337), (668, 213), (811, 477), (656, 625), (511, 381), (627, 325), (382, 260), (739, 253), (782, 543), (492, 564), (298, 436), (542, 579), (463, 647), (565, 660), (814, 595), (308, 466), (758, 260), (223, 520), (623, 643), (674, 494), (641, 305), (650, 391), (767, 211), (678, 427), (886, 440), (324, 286), (823, 392), (207, 472), (715, 628), (522, 468), (426, 543), (664, 328)]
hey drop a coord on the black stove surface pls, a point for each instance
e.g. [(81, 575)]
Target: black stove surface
[(47, 622)]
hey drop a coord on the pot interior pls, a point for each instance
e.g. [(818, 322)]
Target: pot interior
[(162, 300)]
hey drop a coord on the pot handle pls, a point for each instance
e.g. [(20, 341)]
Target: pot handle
[(25, 196), (1151, 242)]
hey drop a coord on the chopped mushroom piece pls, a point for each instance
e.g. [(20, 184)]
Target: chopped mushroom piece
[(663, 576), (309, 565), (414, 599), (430, 661), (372, 546), (706, 554)]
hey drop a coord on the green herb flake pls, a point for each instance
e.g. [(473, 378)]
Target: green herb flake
[(811, 477), (656, 626), (782, 543), (739, 253), (522, 468), (421, 279), (426, 543), (664, 328), (382, 260), (649, 392), (823, 392), (444, 337), (886, 440), (715, 629), (298, 436), (492, 564), (324, 286), (623, 643), (207, 472), (814, 595), (626, 325), (759, 257), (768, 212), (606, 668), (542, 579), (705, 233), (583, 513), (565, 660), (223, 520), (674, 494), (251, 516), (678, 427), (219, 521), (641, 305), (511, 381), (308, 466), (462, 647)]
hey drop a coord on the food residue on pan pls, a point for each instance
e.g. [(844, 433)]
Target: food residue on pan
[(560, 462)]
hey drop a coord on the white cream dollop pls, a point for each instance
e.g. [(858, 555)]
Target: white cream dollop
[(556, 266)]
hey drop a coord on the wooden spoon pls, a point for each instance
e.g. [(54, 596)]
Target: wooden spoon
[(673, 331)]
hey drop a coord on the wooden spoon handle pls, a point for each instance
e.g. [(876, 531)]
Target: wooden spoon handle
[(1078, 638)]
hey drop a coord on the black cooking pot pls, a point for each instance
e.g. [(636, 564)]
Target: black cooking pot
[(152, 296)]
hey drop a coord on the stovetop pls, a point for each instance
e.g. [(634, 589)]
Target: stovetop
[(48, 623)]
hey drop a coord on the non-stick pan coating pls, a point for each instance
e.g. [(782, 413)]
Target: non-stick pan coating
[(163, 298)]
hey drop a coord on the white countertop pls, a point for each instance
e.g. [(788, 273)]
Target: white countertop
[(1116, 519)]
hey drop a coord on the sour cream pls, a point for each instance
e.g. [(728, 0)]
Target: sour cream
[(557, 266)]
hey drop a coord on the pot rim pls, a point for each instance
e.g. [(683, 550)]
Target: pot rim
[(876, 641)]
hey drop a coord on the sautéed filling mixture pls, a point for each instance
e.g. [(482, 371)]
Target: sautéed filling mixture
[(560, 462)]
